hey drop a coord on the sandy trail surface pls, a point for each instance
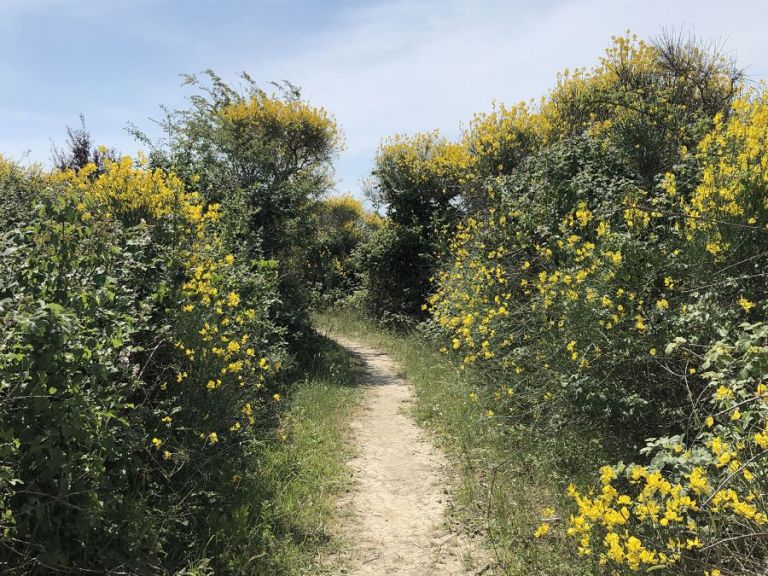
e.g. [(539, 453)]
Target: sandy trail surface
[(394, 515)]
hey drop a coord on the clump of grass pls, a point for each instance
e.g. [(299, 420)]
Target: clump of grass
[(509, 474), (300, 471)]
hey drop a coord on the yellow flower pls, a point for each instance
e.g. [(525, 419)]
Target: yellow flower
[(156, 442), (541, 531), (607, 474), (761, 438), (233, 299), (723, 392), (697, 480), (746, 304), (276, 397), (213, 437)]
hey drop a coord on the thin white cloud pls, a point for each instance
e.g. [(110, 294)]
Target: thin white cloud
[(381, 66), (415, 65)]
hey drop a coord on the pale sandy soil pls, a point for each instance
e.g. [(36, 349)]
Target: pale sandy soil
[(393, 518)]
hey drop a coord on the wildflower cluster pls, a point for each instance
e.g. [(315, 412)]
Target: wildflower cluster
[(702, 498), (726, 208)]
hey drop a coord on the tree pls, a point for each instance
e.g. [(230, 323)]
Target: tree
[(266, 158), (419, 180), (79, 150)]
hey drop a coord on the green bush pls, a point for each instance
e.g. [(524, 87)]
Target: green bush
[(395, 266), (343, 225), (136, 362), (266, 158), (619, 245), (417, 179)]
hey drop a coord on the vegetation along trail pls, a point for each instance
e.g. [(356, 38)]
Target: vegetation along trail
[(398, 500)]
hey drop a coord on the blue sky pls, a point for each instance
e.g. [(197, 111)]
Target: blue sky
[(380, 66)]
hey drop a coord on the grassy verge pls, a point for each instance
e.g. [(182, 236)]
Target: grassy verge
[(510, 473), (297, 474)]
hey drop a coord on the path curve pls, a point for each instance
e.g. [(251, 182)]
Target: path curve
[(394, 515)]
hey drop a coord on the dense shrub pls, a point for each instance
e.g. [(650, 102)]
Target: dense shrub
[(266, 158), (418, 179), (609, 269), (395, 265), (700, 503), (135, 364), (342, 226)]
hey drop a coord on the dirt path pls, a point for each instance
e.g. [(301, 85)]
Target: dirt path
[(394, 517)]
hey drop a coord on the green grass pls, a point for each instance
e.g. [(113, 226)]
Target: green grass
[(509, 471), (283, 527)]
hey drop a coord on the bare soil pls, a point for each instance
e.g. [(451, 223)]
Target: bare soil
[(394, 516)]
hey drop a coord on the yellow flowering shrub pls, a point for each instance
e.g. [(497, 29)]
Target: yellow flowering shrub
[(18, 185), (643, 100), (418, 180), (343, 225), (291, 117), (128, 190), (219, 308), (567, 267), (729, 206), (604, 281), (499, 140), (266, 158), (701, 501), (138, 361), (418, 173)]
